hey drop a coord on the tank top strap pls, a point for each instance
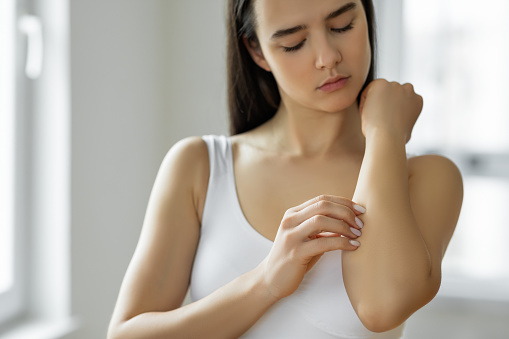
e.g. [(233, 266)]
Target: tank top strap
[(220, 195), (219, 153)]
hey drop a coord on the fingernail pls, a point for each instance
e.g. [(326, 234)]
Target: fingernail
[(359, 208), (355, 243), (359, 222), (356, 231)]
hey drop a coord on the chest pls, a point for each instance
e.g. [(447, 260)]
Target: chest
[(266, 187)]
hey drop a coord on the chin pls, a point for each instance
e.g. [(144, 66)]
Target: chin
[(338, 105)]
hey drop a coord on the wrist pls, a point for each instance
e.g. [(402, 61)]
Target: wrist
[(262, 286), (377, 132)]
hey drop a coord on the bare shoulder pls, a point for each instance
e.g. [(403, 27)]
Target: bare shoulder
[(188, 160), (187, 154)]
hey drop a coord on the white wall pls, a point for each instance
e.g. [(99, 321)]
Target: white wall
[(144, 74)]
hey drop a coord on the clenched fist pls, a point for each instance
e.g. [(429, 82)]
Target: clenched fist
[(390, 106)]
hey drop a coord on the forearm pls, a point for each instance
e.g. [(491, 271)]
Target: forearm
[(393, 259), (226, 313)]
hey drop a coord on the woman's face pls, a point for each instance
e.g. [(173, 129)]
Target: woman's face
[(305, 43)]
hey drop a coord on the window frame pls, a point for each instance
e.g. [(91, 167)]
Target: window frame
[(13, 300), (42, 181)]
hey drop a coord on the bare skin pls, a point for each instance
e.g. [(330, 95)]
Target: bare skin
[(260, 171), (298, 177)]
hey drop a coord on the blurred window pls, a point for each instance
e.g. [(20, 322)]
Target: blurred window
[(455, 53), (10, 302), (6, 144), (34, 168)]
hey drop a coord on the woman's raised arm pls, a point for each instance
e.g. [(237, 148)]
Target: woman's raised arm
[(409, 221)]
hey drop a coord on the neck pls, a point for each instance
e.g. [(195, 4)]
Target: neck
[(301, 132)]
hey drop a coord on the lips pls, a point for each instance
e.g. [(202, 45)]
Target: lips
[(333, 84), (333, 80)]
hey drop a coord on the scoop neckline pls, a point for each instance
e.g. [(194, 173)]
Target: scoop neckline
[(238, 208), (241, 214)]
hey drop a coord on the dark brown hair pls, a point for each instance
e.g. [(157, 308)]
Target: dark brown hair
[(253, 95)]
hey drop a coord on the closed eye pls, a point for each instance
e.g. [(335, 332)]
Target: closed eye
[(343, 29), (294, 48), (336, 30)]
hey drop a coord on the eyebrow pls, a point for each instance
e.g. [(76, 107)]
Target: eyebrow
[(287, 31)]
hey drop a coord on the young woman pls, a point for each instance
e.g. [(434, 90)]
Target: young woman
[(309, 221)]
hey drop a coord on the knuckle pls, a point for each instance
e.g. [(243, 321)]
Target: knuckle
[(351, 215), (289, 212), (288, 218), (320, 198), (317, 220), (287, 222), (287, 239), (322, 204)]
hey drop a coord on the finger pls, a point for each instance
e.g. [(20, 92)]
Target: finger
[(320, 224), (327, 234), (327, 244), (409, 86), (328, 208), (332, 234)]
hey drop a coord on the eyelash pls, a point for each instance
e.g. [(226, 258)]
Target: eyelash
[(336, 30)]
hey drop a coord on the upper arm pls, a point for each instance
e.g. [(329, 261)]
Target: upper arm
[(436, 195), (158, 275)]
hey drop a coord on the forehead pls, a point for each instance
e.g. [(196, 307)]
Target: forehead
[(272, 15)]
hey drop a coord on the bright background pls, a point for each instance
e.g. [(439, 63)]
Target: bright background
[(123, 80)]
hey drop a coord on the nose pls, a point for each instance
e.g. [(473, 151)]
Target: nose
[(327, 54)]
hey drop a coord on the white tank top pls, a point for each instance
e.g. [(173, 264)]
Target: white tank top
[(229, 247)]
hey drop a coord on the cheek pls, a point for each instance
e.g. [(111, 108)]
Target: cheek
[(357, 57), (363, 53), (290, 73)]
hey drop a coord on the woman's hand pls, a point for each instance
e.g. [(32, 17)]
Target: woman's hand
[(322, 224), (390, 106)]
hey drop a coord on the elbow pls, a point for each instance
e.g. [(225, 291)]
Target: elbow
[(395, 308), (381, 322), (381, 319)]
